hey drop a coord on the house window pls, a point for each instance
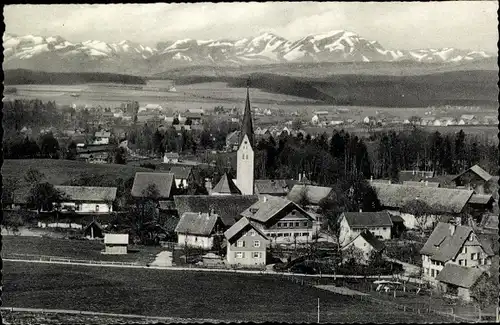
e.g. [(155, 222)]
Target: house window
[(297, 224), (432, 272), (473, 256), (255, 254), (240, 243), (305, 224), (279, 235), (305, 234), (464, 250), (256, 243), (293, 212), (279, 224), (385, 228), (97, 208), (240, 255), (252, 232), (196, 238), (460, 262), (437, 272)]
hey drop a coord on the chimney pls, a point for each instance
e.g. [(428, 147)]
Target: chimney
[(452, 229)]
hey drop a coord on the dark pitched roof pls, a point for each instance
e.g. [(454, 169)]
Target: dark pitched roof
[(88, 193), (372, 240), (180, 172), (93, 223), (196, 223), (246, 124), (480, 199), (444, 200), (268, 206), (268, 186), (476, 169), (368, 219), (461, 276), (442, 245), (240, 225), (489, 221), (226, 206), (163, 181), (396, 219), (313, 194), (226, 186)]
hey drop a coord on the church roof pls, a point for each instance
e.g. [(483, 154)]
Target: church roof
[(226, 186), (247, 125)]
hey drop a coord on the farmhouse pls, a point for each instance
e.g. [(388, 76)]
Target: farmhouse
[(116, 244), (451, 244), (246, 244), (441, 202), (171, 157), (102, 137), (199, 230), (367, 243), (227, 207), (473, 178), (183, 175), (163, 182), (87, 199), (281, 220), (354, 223), (459, 280)]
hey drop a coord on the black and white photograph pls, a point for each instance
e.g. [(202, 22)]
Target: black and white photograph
[(291, 162)]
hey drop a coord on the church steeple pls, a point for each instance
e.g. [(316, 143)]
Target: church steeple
[(247, 125)]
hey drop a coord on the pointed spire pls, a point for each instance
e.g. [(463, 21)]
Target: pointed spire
[(247, 125)]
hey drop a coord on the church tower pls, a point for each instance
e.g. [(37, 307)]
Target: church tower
[(245, 159)]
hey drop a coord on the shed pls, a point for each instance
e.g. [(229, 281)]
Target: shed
[(93, 230), (116, 244)]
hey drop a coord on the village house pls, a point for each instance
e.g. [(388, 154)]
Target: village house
[(452, 244), (163, 182), (232, 140), (474, 178), (246, 244), (87, 199), (311, 195), (367, 243), (283, 221), (201, 230), (116, 244), (95, 153), (183, 175), (275, 187), (171, 158), (458, 280), (443, 202), (354, 223)]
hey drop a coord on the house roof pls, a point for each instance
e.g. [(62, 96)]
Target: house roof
[(102, 134), (467, 117), (171, 155), (166, 205), (370, 239), (116, 239), (233, 137), (480, 199), (476, 169), (196, 223), (396, 219), (239, 226), (180, 172), (461, 276), (267, 207), (443, 200), (489, 221), (313, 194), (93, 223), (163, 181), (226, 186), (368, 219), (422, 183), (442, 245), (88, 193), (226, 206), (268, 186)]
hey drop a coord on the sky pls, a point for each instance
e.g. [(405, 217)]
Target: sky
[(395, 25)]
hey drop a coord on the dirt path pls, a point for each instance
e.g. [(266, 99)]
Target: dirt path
[(163, 259), (341, 290)]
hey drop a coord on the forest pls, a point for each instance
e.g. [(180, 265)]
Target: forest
[(29, 77)]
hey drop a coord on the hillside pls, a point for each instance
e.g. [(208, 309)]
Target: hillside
[(457, 88), (58, 172), (22, 77)]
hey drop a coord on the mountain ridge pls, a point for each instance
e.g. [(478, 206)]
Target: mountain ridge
[(56, 54)]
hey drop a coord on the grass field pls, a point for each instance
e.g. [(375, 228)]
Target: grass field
[(73, 249), (39, 318), (184, 294), (58, 171)]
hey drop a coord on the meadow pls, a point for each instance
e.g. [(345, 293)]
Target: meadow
[(150, 292), (31, 247)]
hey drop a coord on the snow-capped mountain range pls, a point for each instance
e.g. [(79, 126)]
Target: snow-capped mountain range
[(56, 54)]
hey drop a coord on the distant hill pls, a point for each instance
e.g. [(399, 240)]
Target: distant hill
[(455, 88), (21, 76)]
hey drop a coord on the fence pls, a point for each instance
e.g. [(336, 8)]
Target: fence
[(423, 302), (56, 259)]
